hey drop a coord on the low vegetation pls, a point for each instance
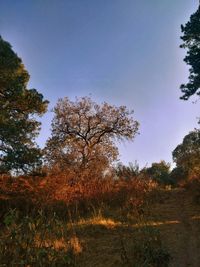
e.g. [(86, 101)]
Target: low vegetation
[(45, 227)]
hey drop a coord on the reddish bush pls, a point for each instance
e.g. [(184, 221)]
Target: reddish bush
[(57, 192)]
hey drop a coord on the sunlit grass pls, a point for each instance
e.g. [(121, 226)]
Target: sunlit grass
[(99, 220)]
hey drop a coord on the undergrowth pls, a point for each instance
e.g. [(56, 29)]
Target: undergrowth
[(145, 249), (36, 213), (35, 242)]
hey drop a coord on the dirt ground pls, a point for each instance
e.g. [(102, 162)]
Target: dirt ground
[(181, 230), (175, 215)]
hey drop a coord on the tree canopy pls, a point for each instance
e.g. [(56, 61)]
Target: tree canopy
[(159, 171), (83, 133), (18, 107), (191, 42), (187, 154)]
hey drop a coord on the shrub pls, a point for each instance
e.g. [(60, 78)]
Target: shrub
[(63, 192), (147, 250), (34, 242), (159, 172)]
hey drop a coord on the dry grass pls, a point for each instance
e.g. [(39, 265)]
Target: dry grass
[(116, 220)]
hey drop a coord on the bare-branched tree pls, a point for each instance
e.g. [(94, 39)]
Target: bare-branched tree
[(83, 133)]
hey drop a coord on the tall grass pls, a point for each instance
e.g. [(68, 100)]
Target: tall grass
[(35, 213), (38, 241)]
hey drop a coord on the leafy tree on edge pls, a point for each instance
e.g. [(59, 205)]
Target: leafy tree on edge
[(191, 42), (18, 107), (187, 154)]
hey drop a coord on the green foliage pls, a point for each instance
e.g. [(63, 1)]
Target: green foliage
[(187, 154), (160, 172), (31, 242), (18, 105), (178, 174), (130, 171), (191, 41)]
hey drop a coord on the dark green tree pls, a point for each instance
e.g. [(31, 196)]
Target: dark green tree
[(187, 154), (159, 172), (18, 107), (178, 174), (191, 42), (127, 172)]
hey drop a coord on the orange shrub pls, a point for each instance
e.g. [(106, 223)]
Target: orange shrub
[(66, 190)]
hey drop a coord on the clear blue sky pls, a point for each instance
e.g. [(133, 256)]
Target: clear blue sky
[(125, 52)]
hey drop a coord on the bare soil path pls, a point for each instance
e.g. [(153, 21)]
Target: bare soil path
[(181, 227), (174, 213)]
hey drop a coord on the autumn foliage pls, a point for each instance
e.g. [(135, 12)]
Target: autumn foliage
[(84, 134), (58, 193)]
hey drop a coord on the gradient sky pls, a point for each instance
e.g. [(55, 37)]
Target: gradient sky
[(125, 52)]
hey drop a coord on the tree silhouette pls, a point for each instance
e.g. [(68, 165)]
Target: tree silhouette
[(18, 105), (191, 42), (187, 154)]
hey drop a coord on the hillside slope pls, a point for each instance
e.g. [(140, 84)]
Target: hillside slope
[(181, 230), (109, 242)]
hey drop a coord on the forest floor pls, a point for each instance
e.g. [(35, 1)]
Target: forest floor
[(108, 241)]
